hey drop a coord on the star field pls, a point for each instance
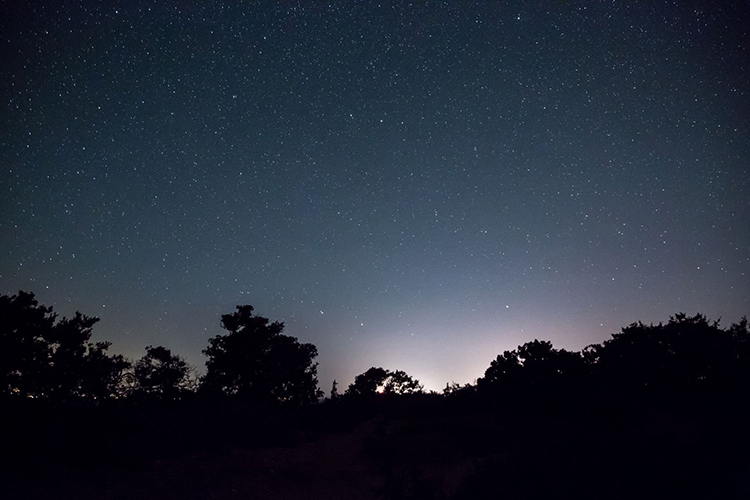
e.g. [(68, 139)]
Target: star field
[(417, 186)]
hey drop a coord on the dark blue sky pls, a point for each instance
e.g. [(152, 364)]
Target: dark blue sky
[(417, 186)]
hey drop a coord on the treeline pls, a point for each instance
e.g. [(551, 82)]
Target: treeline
[(656, 411), (50, 358), (46, 357), (688, 360)]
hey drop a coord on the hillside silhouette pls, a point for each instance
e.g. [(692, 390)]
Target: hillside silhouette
[(656, 411)]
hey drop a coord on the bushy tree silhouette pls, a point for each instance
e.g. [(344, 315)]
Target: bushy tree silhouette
[(689, 353), (162, 375), (25, 328), (255, 361), (399, 382), (41, 356), (102, 374), (739, 370), (368, 383), (455, 389), (536, 368), (505, 369), (380, 380)]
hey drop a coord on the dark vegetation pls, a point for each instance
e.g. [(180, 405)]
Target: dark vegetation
[(657, 411)]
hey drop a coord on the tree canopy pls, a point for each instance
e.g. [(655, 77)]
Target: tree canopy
[(688, 352), (41, 356), (533, 365), (256, 361), (380, 380), (161, 374)]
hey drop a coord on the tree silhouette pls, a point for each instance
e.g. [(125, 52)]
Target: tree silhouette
[(688, 353), (43, 357), (535, 366), (505, 370), (380, 380), (161, 375), (739, 368), (102, 374), (335, 390), (24, 346), (399, 382), (255, 361), (68, 354), (368, 383)]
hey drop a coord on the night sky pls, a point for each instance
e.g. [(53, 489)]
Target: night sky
[(417, 186)]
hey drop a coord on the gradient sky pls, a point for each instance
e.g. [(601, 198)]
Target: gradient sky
[(417, 186)]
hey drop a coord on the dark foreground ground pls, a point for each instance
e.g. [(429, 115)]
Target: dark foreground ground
[(411, 448)]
